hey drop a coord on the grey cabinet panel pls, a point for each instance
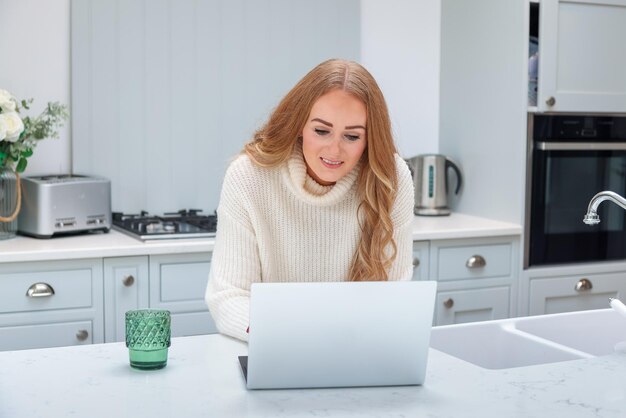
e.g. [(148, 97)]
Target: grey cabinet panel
[(126, 287), (453, 262), (58, 334), (456, 307), (560, 294), (420, 260), (178, 282), (192, 323), (72, 289), (74, 314)]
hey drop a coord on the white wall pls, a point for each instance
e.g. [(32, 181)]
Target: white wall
[(400, 46), (35, 63)]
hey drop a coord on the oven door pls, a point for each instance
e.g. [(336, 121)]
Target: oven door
[(565, 176)]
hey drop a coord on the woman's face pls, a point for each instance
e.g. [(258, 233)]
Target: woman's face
[(333, 138)]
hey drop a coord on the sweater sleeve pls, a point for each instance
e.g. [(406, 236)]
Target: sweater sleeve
[(235, 261), (402, 218)]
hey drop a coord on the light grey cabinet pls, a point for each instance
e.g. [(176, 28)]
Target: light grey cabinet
[(460, 306), (51, 303), (176, 282), (581, 56), (420, 260), (574, 292), (126, 284), (477, 278)]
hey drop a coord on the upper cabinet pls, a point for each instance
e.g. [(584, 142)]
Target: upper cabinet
[(581, 55)]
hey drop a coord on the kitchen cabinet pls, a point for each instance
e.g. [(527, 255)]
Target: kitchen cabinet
[(178, 283), (51, 303), (175, 282), (477, 278), (420, 260), (581, 56), (461, 306), (126, 284), (556, 290)]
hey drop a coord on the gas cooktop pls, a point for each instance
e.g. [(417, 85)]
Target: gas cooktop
[(186, 223)]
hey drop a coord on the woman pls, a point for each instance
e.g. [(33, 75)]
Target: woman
[(319, 194)]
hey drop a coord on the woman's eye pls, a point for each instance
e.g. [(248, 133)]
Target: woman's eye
[(321, 132), (352, 137)]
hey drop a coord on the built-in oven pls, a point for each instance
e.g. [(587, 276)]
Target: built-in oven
[(570, 159)]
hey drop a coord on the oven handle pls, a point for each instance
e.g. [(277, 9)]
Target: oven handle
[(581, 146)]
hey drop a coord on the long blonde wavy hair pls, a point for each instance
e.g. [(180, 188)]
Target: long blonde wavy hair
[(273, 144)]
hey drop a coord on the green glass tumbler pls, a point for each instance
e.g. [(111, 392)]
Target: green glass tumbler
[(148, 336)]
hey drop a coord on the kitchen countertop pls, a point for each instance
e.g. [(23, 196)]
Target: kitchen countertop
[(203, 378), (116, 244)]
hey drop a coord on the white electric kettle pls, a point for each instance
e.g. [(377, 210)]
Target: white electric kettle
[(430, 178)]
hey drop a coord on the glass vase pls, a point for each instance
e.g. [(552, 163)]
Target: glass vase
[(9, 203)]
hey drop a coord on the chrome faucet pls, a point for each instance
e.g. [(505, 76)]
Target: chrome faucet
[(592, 218)]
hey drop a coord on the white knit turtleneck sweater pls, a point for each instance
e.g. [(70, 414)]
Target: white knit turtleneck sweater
[(279, 225)]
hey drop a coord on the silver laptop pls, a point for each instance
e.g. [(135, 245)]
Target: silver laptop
[(343, 334)]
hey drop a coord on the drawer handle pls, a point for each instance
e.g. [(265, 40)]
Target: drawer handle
[(583, 284), (475, 261), (128, 281), (416, 262), (39, 290), (551, 101), (82, 335), (448, 303)]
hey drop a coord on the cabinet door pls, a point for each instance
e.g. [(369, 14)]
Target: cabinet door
[(575, 293), (126, 288), (582, 56), (420, 260), (460, 306), (178, 284)]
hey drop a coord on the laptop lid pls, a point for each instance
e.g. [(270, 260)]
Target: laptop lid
[(339, 334)]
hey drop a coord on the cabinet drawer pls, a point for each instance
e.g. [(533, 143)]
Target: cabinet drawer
[(72, 289), (46, 335), (466, 261), (575, 293)]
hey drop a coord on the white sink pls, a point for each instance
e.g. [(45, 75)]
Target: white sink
[(533, 340), (595, 332)]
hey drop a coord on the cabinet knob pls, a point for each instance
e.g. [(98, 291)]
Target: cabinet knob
[(551, 101), (448, 303), (39, 290), (583, 284), (82, 335), (416, 262), (128, 281), (475, 261)]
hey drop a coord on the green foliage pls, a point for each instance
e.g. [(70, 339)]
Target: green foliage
[(14, 154)]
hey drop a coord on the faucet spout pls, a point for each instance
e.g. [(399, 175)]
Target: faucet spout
[(592, 218)]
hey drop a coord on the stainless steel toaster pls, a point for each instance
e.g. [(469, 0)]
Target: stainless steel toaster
[(61, 204)]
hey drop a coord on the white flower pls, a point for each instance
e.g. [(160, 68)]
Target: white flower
[(3, 127), (7, 101), (13, 126)]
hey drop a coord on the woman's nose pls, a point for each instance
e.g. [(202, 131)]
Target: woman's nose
[(335, 145)]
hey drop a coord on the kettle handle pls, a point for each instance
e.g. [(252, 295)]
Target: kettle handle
[(459, 176)]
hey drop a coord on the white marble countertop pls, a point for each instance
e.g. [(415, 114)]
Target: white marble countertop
[(203, 379), (116, 244)]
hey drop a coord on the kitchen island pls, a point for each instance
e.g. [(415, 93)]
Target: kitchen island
[(203, 379)]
